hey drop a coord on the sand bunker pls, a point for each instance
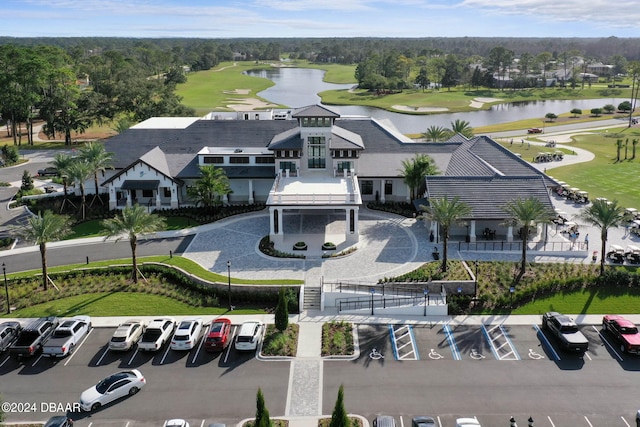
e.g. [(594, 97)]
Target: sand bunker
[(238, 91), (479, 102), (419, 109), (248, 104)]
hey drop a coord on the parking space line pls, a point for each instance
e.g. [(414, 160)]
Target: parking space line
[(91, 423), (508, 339), (104, 353), (5, 361), (233, 335), (392, 335), (547, 344), (135, 353), (37, 360), (202, 340), (452, 342), (202, 423), (76, 349), (625, 421), (551, 422), (606, 341), (165, 353), (439, 422), (588, 422), (127, 424), (485, 332)]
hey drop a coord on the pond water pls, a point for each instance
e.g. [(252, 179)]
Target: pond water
[(299, 87)]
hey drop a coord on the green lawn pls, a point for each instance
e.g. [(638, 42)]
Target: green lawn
[(119, 304), (587, 301), (93, 228)]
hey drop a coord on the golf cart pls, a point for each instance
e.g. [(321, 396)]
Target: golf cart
[(561, 217), (632, 253), (616, 254), (582, 197), (558, 155), (635, 227)]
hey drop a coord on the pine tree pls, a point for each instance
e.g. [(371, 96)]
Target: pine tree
[(339, 417), (282, 311), (262, 413)]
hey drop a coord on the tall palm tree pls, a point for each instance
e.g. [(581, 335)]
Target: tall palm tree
[(414, 170), (79, 172), (44, 228), (99, 159), (446, 213), (527, 213), (62, 161), (132, 222), (604, 215), (435, 133), (462, 127)]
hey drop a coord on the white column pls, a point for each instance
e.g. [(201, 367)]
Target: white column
[(128, 198), (408, 199), (510, 233), (280, 230), (251, 192), (472, 230), (113, 202), (174, 196), (158, 201), (271, 222), (382, 199)]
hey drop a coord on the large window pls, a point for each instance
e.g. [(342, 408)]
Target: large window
[(317, 152), (214, 160), (238, 160), (264, 160), (388, 186), (342, 166), (288, 165), (366, 186)]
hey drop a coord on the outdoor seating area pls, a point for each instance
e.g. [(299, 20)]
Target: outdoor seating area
[(489, 234)]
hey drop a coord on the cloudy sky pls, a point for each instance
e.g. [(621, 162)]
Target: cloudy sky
[(320, 18)]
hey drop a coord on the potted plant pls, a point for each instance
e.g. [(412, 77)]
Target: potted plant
[(328, 246), (300, 246)]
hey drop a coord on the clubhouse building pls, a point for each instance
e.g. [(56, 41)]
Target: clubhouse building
[(314, 160)]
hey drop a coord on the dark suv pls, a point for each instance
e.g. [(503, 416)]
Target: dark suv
[(50, 171)]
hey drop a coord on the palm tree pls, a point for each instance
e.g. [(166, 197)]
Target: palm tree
[(62, 161), (99, 159), (527, 213), (462, 127), (212, 185), (435, 133), (79, 172), (132, 222), (44, 228), (604, 215), (414, 170), (446, 213)]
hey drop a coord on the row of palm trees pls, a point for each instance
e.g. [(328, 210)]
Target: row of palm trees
[(92, 158), (526, 213), (131, 222), (439, 133)]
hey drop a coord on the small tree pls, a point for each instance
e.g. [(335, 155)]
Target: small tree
[(282, 311), (625, 106), (609, 108), (551, 116), (339, 417), (262, 413), (576, 112), (27, 182), (596, 112)]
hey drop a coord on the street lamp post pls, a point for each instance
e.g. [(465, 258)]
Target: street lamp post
[(475, 287), (373, 291), (511, 291), (426, 294), (229, 290), (6, 288)]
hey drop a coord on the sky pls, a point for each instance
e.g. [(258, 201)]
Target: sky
[(319, 18)]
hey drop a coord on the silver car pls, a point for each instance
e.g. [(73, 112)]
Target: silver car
[(127, 334)]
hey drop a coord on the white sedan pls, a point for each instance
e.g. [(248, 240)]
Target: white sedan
[(177, 422), (126, 335), (187, 335), (115, 386)]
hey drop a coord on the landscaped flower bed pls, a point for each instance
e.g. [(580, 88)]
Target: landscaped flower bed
[(337, 339)]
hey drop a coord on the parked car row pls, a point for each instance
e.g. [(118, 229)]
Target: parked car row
[(619, 255), (46, 335), (424, 421)]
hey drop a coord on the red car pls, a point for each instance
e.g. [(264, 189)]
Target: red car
[(534, 130), (624, 331), (218, 336)]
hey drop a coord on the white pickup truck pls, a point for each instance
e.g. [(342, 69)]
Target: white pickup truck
[(66, 336)]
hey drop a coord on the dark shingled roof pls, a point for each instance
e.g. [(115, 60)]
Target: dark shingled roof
[(314, 111), (487, 195)]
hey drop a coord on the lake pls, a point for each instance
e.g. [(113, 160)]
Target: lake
[(299, 87)]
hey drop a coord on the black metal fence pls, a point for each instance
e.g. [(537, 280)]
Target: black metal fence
[(503, 245), (359, 303)]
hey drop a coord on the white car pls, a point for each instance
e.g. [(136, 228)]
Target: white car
[(187, 335), (249, 335), (115, 386), (127, 334), (177, 422), (468, 422), (157, 334)]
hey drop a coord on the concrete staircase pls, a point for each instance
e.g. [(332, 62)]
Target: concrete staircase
[(311, 299)]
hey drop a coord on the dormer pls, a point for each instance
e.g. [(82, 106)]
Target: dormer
[(315, 116)]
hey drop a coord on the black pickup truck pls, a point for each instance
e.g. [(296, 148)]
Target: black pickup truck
[(566, 330), (33, 336)]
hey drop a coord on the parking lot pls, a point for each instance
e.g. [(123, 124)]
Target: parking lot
[(444, 370)]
